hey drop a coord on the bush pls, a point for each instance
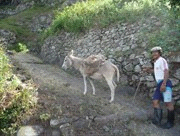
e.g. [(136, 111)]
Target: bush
[(16, 100), (84, 15)]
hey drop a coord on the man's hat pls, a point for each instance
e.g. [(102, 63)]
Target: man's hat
[(156, 49)]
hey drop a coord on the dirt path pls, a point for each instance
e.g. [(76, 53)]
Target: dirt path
[(61, 95)]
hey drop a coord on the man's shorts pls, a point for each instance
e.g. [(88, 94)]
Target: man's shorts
[(163, 96)]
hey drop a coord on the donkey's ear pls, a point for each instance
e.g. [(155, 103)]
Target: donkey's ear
[(71, 53)]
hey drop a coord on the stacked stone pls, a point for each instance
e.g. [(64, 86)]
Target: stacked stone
[(120, 43), (18, 9), (7, 38), (41, 22)]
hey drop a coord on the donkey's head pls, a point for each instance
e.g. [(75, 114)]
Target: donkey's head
[(67, 61)]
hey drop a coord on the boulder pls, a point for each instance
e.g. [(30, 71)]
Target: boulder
[(174, 81), (175, 58), (8, 36), (30, 131), (67, 130), (177, 74), (41, 22), (129, 67), (137, 69)]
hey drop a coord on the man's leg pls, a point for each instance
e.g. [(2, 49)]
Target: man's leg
[(157, 113), (170, 107), (156, 104), (170, 116)]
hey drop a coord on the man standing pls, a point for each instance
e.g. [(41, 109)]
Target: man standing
[(163, 91)]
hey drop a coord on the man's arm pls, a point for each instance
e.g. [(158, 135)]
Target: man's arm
[(166, 76)]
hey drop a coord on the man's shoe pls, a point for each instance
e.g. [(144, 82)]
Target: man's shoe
[(167, 125), (157, 117), (170, 120)]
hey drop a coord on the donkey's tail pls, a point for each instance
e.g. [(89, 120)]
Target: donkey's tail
[(117, 72)]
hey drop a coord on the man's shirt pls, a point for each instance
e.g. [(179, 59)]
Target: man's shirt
[(159, 66)]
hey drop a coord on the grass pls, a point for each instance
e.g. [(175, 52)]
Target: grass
[(15, 100), (167, 36), (85, 15), (19, 24)]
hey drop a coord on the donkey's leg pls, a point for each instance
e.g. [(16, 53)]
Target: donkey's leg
[(115, 85), (91, 82), (112, 87), (85, 84)]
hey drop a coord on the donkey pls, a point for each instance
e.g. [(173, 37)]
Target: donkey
[(105, 70)]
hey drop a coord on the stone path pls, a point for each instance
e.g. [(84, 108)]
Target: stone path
[(134, 116)]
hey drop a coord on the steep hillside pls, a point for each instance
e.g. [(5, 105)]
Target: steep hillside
[(122, 30)]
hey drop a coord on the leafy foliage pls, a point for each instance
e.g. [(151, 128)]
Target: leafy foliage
[(174, 3), (84, 15), (20, 23), (15, 100)]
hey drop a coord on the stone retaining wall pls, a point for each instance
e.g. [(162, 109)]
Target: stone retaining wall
[(122, 44)]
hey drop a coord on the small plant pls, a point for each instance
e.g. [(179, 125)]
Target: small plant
[(45, 117), (21, 48)]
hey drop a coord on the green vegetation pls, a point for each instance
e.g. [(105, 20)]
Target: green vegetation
[(84, 15), (101, 13), (45, 117), (20, 23), (20, 47), (15, 100)]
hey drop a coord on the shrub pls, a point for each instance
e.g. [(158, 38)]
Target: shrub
[(16, 100), (84, 15)]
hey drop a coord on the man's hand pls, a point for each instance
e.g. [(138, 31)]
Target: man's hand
[(163, 87)]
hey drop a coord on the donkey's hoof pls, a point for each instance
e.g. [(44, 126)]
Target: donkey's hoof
[(111, 101), (84, 93), (94, 94)]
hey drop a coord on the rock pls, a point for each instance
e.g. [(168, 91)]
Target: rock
[(177, 74), (8, 36), (174, 81), (134, 46), (22, 6), (55, 133), (132, 56), (120, 59), (146, 54), (106, 129), (41, 22), (116, 131), (123, 79), (81, 123), (54, 122), (52, 55), (134, 77), (129, 67), (135, 61), (175, 58), (178, 103), (67, 130), (126, 48), (137, 69), (150, 84), (30, 131), (149, 78)]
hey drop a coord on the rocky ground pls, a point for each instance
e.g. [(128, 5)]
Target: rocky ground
[(64, 110)]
